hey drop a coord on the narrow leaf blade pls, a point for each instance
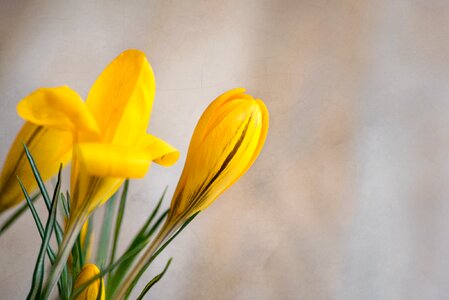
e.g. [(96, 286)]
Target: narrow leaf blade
[(142, 238), (43, 189), (158, 251), (118, 222), (38, 274), (23, 208), (105, 235), (154, 280), (36, 218)]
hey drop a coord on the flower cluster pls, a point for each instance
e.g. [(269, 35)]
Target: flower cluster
[(105, 138)]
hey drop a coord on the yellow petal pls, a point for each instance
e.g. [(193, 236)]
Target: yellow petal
[(49, 148), (121, 101), (159, 151), (99, 169), (226, 141), (208, 114), (108, 160), (122, 97), (59, 108), (98, 172), (265, 120), (92, 291)]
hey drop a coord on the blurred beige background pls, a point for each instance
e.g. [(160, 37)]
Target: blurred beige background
[(349, 198)]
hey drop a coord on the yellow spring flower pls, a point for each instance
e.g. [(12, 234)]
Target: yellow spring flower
[(91, 292), (107, 133), (226, 141), (109, 138)]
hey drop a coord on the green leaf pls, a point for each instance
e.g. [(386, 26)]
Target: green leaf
[(38, 178), (71, 236), (139, 269), (131, 254), (144, 230), (105, 235), (23, 208), (40, 183), (118, 222), (142, 238), (66, 246), (37, 220), (154, 280), (38, 274), (68, 200), (40, 227), (65, 205), (48, 202)]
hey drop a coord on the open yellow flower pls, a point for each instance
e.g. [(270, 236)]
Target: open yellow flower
[(226, 141), (108, 135), (91, 292)]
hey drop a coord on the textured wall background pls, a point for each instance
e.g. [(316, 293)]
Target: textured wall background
[(349, 198)]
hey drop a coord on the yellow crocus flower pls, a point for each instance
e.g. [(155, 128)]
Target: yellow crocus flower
[(109, 137), (107, 133), (91, 292), (227, 140)]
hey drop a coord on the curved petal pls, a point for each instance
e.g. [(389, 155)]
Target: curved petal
[(59, 108), (122, 97), (160, 151), (265, 121), (207, 115), (108, 160), (227, 149), (49, 147), (98, 169)]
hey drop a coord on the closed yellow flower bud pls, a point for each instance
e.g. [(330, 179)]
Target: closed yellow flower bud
[(91, 292), (226, 141)]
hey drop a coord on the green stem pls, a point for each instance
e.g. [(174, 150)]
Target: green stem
[(153, 251), (135, 272), (119, 219), (63, 254)]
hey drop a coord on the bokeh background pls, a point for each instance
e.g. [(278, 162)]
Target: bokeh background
[(349, 198)]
